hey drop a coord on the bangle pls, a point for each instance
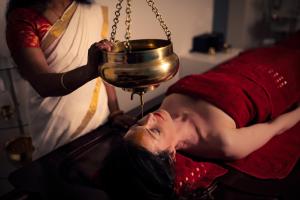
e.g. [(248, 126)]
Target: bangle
[(62, 82), (115, 113)]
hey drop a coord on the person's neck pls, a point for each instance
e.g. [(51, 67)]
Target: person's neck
[(59, 5), (186, 133), (55, 9)]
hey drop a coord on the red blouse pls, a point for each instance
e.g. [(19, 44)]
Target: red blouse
[(25, 28)]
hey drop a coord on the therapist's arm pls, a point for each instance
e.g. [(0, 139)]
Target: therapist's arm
[(113, 103), (33, 66), (117, 117)]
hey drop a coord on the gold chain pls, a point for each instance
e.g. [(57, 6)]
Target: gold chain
[(159, 18), (128, 23), (116, 21)]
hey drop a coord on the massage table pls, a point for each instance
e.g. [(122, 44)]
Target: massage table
[(66, 173)]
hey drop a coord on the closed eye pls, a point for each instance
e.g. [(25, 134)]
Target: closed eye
[(155, 130)]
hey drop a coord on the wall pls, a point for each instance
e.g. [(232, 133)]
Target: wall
[(220, 16), (249, 23), (238, 23), (185, 19)]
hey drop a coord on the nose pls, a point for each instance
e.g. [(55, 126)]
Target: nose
[(147, 120)]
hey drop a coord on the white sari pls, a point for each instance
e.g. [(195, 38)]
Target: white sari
[(54, 121)]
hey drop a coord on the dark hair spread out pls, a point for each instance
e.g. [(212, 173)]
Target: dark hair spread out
[(131, 172), (13, 4)]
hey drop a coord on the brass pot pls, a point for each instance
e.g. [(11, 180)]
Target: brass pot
[(142, 67)]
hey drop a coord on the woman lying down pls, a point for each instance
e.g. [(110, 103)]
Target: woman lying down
[(226, 113)]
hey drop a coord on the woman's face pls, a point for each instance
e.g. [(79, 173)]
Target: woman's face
[(155, 132)]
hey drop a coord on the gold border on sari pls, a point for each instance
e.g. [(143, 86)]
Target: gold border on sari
[(94, 101), (59, 26)]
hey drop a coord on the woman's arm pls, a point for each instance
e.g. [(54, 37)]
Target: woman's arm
[(33, 67), (112, 98), (117, 116), (241, 142)]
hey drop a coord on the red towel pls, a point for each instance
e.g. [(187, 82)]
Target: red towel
[(256, 86)]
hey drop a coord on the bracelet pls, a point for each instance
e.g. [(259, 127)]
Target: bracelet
[(115, 113), (62, 82)]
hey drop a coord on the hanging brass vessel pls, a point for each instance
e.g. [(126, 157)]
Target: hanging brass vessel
[(142, 67)]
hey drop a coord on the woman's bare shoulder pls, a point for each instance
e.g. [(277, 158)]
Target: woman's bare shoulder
[(205, 110), (176, 99), (214, 119)]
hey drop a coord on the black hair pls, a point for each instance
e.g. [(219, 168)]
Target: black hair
[(13, 4), (132, 172)]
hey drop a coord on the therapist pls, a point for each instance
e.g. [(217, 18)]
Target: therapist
[(52, 42)]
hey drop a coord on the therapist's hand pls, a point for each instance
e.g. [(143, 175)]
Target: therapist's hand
[(95, 55), (122, 121)]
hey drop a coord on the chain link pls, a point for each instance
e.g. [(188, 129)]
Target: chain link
[(128, 21), (127, 24), (159, 18), (116, 21)]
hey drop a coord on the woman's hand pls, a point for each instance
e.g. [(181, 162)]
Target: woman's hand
[(95, 55)]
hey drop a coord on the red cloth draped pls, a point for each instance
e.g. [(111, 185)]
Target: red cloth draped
[(256, 86)]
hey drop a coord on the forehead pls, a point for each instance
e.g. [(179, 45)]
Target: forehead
[(134, 131), (140, 136)]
